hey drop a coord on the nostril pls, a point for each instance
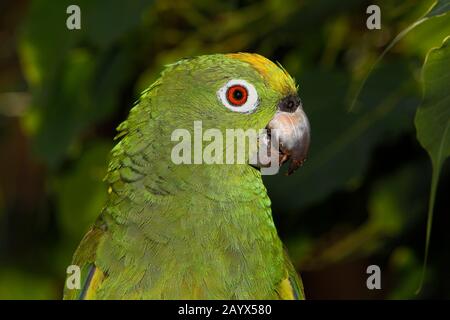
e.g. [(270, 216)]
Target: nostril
[(289, 104)]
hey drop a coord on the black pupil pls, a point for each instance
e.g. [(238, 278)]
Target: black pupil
[(238, 94)]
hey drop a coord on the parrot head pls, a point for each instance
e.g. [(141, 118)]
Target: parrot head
[(234, 91)]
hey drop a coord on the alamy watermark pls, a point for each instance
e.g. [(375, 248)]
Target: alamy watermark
[(374, 19), (237, 146), (73, 280), (374, 280), (73, 21)]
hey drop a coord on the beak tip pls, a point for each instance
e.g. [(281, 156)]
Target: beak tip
[(294, 165)]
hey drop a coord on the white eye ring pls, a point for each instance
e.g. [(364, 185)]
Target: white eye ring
[(251, 97)]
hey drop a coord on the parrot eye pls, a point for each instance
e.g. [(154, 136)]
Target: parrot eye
[(238, 96)]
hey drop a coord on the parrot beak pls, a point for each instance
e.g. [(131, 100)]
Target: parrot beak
[(290, 128)]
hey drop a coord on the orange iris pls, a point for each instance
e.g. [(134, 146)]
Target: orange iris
[(237, 95)]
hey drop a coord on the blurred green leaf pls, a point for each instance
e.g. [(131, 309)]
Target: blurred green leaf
[(82, 192), (440, 7), (18, 285), (428, 35), (76, 75), (406, 270), (107, 21), (393, 207), (433, 121)]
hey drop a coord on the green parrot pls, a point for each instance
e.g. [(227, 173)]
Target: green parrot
[(195, 230)]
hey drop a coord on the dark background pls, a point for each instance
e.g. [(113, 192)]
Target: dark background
[(361, 198)]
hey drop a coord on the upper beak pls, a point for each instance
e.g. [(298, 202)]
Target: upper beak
[(290, 127)]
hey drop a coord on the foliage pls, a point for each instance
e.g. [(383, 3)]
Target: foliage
[(433, 118)]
